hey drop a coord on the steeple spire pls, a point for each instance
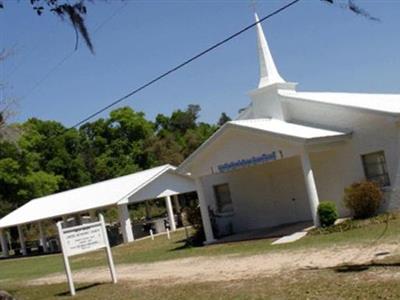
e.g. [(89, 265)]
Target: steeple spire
[(268, 72)]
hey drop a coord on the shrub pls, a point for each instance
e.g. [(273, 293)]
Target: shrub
[(363, 199), (327, 213), (193, 217)]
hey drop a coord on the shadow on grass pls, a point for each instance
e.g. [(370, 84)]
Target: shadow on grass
[(81, 288), (363, 267), (351, 268), (184, 240)]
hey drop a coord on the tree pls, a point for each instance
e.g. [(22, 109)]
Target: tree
[(7, 132), (20, 180), (74, 11), (46, 158), (223, 119), (115, 146), (48, 147)]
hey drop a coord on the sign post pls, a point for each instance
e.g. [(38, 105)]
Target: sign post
[(82, 239)]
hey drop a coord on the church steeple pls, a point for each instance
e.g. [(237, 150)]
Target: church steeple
[(268, 72)]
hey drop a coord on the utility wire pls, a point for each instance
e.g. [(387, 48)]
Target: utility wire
[(186, 62)]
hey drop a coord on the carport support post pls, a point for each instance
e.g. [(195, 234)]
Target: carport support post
[(310, 186), (170, 212), (125, 222), (148, 212), (92, 215), (78, 219), (42, 237), (176, 203), (205, 216), (22, 240), (3, 242)]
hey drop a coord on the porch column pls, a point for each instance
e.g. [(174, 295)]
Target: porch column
[(170, 212), (92, 214), (125, 222), (148, 210), (310, 186), (22, 240), (3, 242), (175, 199), (205, 216), (42, 238), (78, 219)]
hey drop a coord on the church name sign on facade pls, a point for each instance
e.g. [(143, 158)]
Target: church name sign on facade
[(82, 239), (247, 162)]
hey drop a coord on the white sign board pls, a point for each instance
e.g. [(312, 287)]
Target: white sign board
[(82, 239)]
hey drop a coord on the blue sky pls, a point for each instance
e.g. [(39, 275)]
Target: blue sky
[(322, 47)]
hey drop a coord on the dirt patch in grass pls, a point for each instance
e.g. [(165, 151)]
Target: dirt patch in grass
[(371, 284), (232, 267)]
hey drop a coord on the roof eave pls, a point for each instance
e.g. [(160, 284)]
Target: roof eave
[(182, 168), (286, 98), (329, 139)]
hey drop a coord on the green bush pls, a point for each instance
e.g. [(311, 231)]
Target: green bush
[(327, 213), (363, 199), (193, 217)]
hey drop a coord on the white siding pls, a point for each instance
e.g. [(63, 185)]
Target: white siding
[(262, 195)]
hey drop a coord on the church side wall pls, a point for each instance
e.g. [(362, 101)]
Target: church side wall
[(342, 166)]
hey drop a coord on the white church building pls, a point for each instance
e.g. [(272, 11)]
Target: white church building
[(286, 152), (289, 150)]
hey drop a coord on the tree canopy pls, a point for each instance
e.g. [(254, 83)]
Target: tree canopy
[(46, 158)]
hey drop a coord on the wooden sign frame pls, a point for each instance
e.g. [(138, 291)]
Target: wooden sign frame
[(82, 239)]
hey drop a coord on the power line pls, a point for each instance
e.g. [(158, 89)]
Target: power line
[(186, 62)]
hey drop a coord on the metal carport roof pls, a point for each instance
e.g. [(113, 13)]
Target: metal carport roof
[(102, 194)]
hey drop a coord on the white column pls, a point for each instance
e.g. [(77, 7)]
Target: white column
[(92, 214), (3, 242), (205, 216), (176, 203), (78, 219), (22, 240), (42, 238), (148, 210), (170, 212), (310, 186), (125, 222)]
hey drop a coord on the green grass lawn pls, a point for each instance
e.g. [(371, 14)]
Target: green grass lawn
[(324, 284), (13, 272)]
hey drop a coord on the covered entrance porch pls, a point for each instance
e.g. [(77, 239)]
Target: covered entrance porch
[(257, 174), (257, 197)]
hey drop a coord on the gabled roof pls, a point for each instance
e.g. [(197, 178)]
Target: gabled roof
[(272, 127), (381, 103), (98, 195)]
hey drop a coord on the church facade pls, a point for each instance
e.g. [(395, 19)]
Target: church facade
[(289, 150)]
